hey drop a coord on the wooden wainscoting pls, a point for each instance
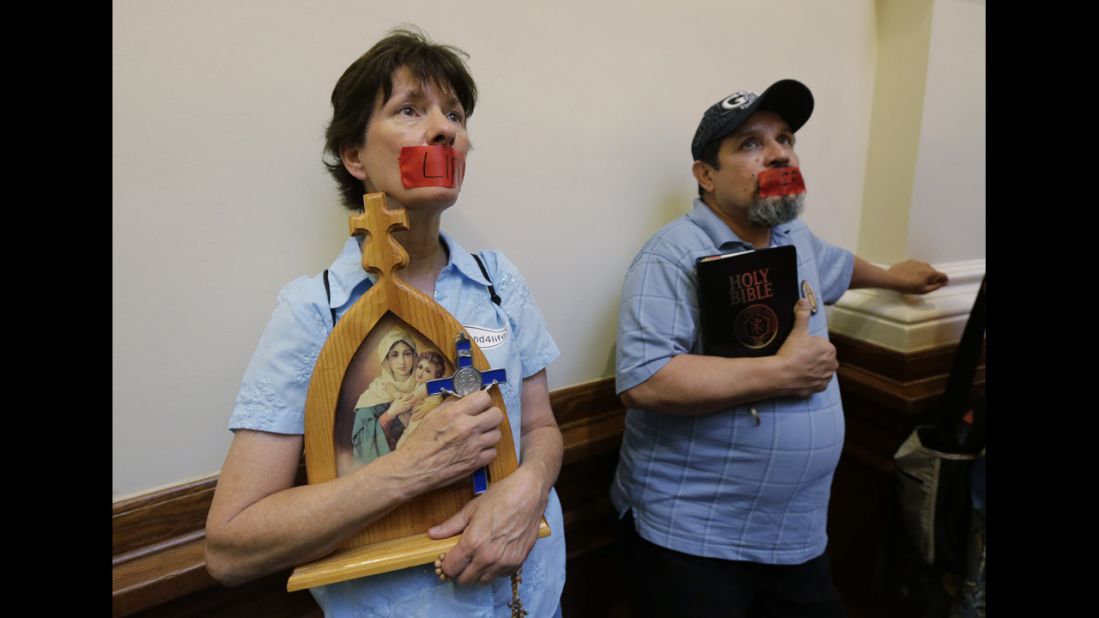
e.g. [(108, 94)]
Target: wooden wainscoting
[(159, 568), (158, 538), (158, 541), (885, 395)]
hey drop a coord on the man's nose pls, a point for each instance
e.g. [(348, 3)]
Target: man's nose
[(776, 155), (441, 130)]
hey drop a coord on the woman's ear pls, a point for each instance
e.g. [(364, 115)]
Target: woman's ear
[(349, 155)]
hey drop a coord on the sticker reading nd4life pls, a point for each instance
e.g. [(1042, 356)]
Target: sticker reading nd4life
[(487, 338), (431, 166)]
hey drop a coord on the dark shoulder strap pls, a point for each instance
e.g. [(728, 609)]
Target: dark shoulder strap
[(328, 295), (491, 289), (956, 398)]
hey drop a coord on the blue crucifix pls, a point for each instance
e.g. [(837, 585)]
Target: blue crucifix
[(468, 380)]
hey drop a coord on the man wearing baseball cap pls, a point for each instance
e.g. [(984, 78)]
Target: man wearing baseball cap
[(726, 464)]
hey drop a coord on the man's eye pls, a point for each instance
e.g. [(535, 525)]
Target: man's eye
[(750, 143)]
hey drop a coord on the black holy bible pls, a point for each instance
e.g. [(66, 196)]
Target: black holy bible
[(746, 300)]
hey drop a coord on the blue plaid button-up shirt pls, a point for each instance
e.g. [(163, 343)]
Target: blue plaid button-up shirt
[(716, 485)]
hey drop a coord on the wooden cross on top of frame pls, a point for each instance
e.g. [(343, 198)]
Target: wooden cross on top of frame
[(389, 255)]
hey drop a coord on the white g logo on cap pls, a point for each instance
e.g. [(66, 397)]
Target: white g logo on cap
[(738, 100)]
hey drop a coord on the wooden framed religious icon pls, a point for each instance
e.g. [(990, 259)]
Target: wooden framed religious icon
[(389, 361)]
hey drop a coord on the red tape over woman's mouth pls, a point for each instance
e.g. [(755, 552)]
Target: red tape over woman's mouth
[(432, 166)]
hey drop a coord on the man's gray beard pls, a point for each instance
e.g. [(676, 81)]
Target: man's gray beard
[(772, 211)]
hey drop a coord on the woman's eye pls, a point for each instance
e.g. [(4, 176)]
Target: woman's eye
[(455, 117)]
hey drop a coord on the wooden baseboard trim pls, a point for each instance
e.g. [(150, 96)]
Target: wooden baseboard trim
[(158, 538)]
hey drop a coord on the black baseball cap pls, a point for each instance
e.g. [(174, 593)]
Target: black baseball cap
[(788, 98)]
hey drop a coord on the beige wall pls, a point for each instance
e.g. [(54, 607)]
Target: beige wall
[(581, 137), (948, 198), (925, 178), (903, 32)]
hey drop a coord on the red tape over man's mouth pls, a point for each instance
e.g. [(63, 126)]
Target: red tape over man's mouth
[(431, 166), (780, 181)]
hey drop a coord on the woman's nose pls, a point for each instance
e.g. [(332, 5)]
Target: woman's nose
[(441, 130)]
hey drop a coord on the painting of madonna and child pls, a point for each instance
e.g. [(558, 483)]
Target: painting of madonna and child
[(384, 396)]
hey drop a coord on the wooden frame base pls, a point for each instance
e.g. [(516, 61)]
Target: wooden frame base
[(376, 559)]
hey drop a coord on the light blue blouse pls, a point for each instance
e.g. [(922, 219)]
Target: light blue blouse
[(511, 335)]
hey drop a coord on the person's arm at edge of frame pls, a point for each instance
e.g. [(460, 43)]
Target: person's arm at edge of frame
[(907, 277), (693, 384), (499, 528), (260, 523)]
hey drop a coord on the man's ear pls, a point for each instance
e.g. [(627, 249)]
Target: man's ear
[(349, 155), (702, 172)]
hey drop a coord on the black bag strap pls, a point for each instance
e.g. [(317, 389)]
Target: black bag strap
[(328, 295), (491, 290), (956, 398)]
